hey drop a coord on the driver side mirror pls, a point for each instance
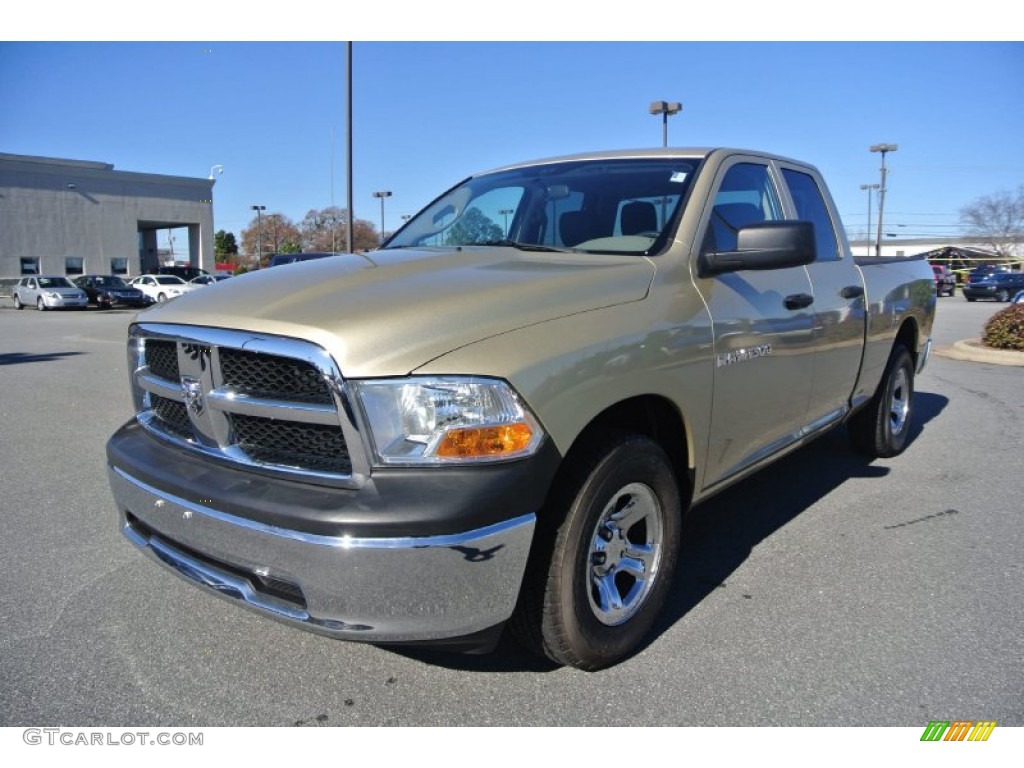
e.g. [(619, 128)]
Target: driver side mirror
[(764, 245)]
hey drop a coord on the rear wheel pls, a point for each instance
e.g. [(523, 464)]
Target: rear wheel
[(881, 429), (604, 556)]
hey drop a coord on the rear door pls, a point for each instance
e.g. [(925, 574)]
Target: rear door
[(762, 326), (838, 290)]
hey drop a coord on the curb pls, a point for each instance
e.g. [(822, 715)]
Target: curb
[(971, 350)]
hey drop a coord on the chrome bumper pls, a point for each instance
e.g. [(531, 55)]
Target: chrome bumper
[(376, 590)]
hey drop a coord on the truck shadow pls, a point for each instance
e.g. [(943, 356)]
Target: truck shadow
[(15, 358), (719, 535)]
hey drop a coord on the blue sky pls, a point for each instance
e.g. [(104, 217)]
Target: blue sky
[(426, 114)]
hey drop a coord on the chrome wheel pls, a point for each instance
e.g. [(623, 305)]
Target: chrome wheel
[(603, 554), (625, 553), (899, 402)]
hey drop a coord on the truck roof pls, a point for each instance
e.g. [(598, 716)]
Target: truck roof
[(624, 154)]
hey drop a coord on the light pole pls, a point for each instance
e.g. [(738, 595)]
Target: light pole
[(506, 212), (869, 187), (382, 194), (259, 233), (218, 169), (665, 108), (883, 148)]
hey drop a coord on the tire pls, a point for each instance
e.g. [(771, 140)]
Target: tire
[(968, 298), (603, 555), (161, 298), (1003, 295), (17, 302), (882, 427), (40, 304)]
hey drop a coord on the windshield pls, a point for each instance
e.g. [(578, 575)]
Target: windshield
[(169, 280), (111, 282), (610, 206), (55, 282)]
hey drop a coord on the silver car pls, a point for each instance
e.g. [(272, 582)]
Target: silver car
[(49, 292)]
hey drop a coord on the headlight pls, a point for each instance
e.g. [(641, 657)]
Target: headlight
[(446, 419), (53, 295)]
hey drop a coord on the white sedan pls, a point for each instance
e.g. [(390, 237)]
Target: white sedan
[(162, 287)]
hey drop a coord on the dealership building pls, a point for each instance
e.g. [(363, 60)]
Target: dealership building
[(75, 217)]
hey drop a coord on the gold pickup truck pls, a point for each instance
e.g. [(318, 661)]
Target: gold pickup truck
[(501, 416)]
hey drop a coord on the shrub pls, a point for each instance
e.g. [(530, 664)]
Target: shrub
[(1005, 329)]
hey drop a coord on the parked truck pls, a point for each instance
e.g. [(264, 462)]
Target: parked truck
[(501, 416)]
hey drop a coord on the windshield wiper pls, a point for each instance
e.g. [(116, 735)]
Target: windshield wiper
[(523, 246)]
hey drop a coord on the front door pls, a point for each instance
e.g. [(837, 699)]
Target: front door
[(763, 332)]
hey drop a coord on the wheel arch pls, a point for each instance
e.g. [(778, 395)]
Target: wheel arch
[(655, 417), (908, 335)]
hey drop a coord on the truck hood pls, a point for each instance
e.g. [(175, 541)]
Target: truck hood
[(389, 312)]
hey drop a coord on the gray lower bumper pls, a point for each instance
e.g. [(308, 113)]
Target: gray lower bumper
[(374, 589)]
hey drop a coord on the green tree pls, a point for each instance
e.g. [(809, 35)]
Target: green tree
[(225, 248), (473, 227)]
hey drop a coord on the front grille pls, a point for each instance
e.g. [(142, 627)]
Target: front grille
[(162, 359), (173, 416), (269, 408), (272, 376), (290, 444)]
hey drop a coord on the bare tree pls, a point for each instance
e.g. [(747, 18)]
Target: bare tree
[(998, 221), (324, 229), (279, 235)]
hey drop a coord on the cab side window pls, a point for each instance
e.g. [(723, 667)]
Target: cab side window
[(810, 206), (745, 196)]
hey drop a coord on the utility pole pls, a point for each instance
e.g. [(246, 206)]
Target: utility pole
[(883, 148)]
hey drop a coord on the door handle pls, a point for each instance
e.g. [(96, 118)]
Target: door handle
[(798, 301), (852, 292)]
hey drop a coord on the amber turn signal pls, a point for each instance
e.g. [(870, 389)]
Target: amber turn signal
[(497, 441)]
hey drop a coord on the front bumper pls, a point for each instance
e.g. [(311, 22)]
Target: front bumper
[(64, 302), (352, 579)]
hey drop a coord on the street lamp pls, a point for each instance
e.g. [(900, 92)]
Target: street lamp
[(506, 212), (259, 233), (382, 194), (883, 148), (665, 108), (869, 188), (219, 169)]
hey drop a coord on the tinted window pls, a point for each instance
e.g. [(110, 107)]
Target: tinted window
[(810, 206), (745, 196)]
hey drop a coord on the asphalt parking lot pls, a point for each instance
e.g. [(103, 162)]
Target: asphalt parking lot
[(825, 591)]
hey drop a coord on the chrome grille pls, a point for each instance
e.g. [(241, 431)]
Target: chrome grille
[(173, 416), (162, 359), (289, 444), (267, 403), (272, 376)]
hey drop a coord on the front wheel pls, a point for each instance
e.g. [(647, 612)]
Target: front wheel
[(881, 428), (40, 304), (604, 556), (17, 302), (1003, 295), (161, 298)]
